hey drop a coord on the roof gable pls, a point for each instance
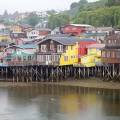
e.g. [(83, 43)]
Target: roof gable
[(62, 40)]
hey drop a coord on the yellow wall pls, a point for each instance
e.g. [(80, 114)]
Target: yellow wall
[(4, 38), (16, 28), (94, 51), (70, 57), (88, 60), (91, 58)]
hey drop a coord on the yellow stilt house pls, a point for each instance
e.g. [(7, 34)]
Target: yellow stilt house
[(70, 56), (93, 56)]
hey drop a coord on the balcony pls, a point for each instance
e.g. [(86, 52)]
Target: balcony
[(111, 60)]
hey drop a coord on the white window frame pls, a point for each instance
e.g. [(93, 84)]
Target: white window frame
[(59, 48), (43, 48)]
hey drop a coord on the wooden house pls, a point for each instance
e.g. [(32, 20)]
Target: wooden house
[(82, 47), (74, 29), (44, 31), (99, 36), (32, 34), (4, 37), (4, 45), (21, 54), (16, 35), (111, 53), (52, 48), (26, 27), (93, 56), (15, 28)]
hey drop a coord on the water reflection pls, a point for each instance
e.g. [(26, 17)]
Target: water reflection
[(48, 102)]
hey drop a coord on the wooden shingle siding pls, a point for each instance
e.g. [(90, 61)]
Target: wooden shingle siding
[(111, 53), (113, 40), (111, 56), (53, 47)]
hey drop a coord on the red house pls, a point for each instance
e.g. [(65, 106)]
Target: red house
[(74, 29), (44, 31), (82, 50)]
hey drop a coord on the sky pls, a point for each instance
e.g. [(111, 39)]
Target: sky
[(35, 5)]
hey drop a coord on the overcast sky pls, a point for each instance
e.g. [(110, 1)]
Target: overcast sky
[(35, 5)]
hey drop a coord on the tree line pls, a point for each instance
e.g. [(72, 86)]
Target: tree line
[(100, 13)]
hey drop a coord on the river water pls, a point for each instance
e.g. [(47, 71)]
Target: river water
[(48, 102)]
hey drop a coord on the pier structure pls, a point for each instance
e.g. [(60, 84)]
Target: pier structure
[(52, 73)]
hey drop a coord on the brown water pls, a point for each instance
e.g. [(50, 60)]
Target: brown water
[(42, 102)]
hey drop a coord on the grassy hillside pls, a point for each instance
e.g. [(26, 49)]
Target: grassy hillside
[(88, 6), (106, 16), (100, 13)]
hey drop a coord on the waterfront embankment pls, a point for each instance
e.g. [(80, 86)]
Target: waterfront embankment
[(98, 84)]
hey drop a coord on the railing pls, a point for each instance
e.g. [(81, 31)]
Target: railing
[(21, 63), (28, 63), (111, 60), (113, 45)]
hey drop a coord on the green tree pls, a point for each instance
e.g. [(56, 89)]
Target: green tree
[(57, 20), (74, 5), (83, 2), (107, 16), (32, 20), (112, 3)]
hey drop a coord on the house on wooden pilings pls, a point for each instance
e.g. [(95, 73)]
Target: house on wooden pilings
[(20, 54), (111, 53), (52, 47), (5, 44)]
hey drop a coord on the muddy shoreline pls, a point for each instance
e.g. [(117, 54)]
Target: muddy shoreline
[(98, 84)]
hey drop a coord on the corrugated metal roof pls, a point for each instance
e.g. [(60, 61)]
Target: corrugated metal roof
[(62, 40), (88, 39), (94, 34), (28, 46), (4, 44), (69, 40), (82, 25), (59, 35)]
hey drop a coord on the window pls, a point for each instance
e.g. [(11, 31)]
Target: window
[(19, 58), (24, 58), (103, 54), (48, 57), (65, 58), (15, 35), (66, 47), (59, 48), (39, 57), (109, 41), (113, 54), (51, 46), (71, 47), (44, 58), (43, 48), (72, 57), (108, 54), (29, 57), (117, 54)]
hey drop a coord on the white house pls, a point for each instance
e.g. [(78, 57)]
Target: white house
[(32, 34)]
